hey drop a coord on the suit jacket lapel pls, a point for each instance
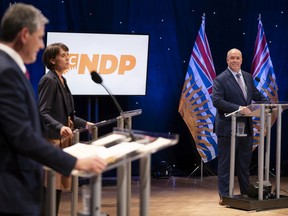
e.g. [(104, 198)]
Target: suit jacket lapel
[(231, 79), (71, 98), (61, 90)]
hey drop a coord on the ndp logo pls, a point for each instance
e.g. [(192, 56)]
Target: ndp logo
[(102, 63)]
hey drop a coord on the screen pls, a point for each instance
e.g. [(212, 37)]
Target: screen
[(120, 60)]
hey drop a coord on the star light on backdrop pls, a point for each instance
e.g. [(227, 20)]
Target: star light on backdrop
[(172, 33)]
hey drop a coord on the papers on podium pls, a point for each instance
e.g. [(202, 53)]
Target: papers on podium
[(111, 154), (255, 110), (156, 145), (119, 150), (109, 139)]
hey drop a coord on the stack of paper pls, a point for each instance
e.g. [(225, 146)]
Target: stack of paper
[(117, 151), (155, 145), (111, 154), (108, 139)]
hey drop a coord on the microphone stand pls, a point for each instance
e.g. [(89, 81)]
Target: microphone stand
[(114, 99)]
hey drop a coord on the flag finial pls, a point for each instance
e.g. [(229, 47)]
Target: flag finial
[(203, 17)]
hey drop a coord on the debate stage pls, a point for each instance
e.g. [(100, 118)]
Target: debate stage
[(179, 196)]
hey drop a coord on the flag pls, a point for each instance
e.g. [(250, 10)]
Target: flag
[(262, 68), (195, 105)]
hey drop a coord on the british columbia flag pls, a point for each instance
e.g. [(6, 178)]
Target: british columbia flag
[(195, 104), (262, 68)]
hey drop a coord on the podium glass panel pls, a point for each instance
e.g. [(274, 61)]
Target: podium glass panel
[(125, 146), (267, 113)]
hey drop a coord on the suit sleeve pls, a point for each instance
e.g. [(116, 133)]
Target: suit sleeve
[(220, 93), (79, 122), (20, 134), (46, 91)]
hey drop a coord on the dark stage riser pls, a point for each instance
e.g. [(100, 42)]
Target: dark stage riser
[(246, 203)]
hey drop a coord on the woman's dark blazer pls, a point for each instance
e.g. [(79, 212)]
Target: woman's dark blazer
[(53, 105)]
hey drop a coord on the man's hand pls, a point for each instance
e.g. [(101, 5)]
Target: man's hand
[(91, 164), (244, 110)]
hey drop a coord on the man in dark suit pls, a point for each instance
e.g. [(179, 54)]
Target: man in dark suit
[(234, 89), (22, 147)]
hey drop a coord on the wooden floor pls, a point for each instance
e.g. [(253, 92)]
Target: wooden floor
[(178, 196)]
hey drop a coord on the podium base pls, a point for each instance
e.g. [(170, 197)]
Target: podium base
[(246, 203)]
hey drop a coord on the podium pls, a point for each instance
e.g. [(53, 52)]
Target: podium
[(265, 112), (120, 147)]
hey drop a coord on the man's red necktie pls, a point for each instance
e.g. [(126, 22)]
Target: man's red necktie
[(27, 75)]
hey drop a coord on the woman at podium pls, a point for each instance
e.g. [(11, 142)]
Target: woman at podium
[(57, 106)]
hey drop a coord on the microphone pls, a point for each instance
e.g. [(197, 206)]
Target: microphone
[(97, 79), (257, 79), (268, 100)]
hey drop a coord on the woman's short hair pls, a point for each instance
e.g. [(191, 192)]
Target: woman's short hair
[(51, 52)]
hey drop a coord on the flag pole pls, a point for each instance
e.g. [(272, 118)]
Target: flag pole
[(195, 95)]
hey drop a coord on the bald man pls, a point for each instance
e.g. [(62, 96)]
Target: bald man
[(234, 89)]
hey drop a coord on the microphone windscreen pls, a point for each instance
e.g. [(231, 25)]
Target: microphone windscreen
[(96, 77)]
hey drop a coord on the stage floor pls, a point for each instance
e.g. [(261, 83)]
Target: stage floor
[(177, 196)]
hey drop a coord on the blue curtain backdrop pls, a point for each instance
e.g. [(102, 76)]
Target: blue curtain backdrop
[(172, 26)]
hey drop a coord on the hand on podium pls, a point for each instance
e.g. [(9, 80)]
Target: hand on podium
[(244, 110), (89, 126), (91, 164)]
